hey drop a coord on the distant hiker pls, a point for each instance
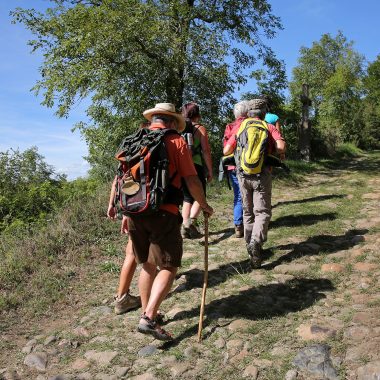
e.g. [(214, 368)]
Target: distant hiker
[(240, 113), (155, 233), (252, 142), (272, 118), (196, 136)]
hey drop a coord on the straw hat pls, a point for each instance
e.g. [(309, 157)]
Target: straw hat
[(166, 109)]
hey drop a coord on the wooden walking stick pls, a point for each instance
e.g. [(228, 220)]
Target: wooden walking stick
[(205, 279)]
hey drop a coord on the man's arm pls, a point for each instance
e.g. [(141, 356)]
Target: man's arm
[(196, 190)]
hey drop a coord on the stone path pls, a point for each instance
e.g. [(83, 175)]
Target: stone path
[(311, 312)]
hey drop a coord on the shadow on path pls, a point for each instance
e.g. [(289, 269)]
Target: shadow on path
[(262, 302), (313, 199), (301, 220), (226, 233), (315, 245), (311, 247)]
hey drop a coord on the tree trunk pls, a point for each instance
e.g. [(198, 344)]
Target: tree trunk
[(304, 135)]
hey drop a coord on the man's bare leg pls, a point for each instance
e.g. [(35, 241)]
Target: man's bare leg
[(127, 271), (159, 290), (147, 276)]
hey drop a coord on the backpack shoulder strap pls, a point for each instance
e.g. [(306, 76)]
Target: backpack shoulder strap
[(195, 128)]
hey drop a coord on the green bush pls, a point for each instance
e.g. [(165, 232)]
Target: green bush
[(39, 261), (29, 188), (348, 150)]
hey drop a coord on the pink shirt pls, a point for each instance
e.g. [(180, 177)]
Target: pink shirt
[(273, 136), (231, 130)]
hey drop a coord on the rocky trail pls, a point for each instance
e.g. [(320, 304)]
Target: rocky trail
[(311, 312)]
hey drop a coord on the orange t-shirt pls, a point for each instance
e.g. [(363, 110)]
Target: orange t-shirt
[(180, 163)]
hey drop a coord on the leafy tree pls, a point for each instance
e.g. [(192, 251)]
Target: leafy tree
[(126, 55), (371, 114), (29, 187), (334, 72)]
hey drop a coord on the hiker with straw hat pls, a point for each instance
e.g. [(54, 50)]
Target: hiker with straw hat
[(156, 238)]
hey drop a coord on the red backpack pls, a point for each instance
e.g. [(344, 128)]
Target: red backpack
[(143, 183)]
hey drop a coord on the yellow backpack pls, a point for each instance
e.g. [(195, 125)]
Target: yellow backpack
[(252, 145)]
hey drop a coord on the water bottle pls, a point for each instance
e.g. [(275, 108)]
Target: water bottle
[(189, 140)]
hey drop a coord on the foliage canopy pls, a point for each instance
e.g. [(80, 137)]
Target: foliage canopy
[(125, 55), (334, 72)]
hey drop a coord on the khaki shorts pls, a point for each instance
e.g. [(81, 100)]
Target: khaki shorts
[(157, 238)]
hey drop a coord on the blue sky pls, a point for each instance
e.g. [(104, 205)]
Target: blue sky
[(25, 123)]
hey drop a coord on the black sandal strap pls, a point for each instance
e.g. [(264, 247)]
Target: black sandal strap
[(150, 322)]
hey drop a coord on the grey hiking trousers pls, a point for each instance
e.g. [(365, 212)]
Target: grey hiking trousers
[(256, 194)]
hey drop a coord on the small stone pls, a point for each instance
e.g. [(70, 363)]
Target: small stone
[(370, 371), (291, 268), (169, 359), (235, 343), (50, 339), (365, 267), (27, 349), (147, 351), (178, 369), (315, 359), (144, 376), (251, 371), (173, 312), (220, 343), (11, 375), (363, 318), (103, 358), (238, 324), (370, 349), (84, 376), (80, 364), (291, 375), (315, 332), (99, 339), (64, 343), (37, 360), (332, 267), (280, 351), (105, 376), (121, 371), (239, 357), (81, 331), (190, 352), (357, 333), (100, 311)]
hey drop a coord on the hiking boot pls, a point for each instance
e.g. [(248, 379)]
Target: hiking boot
[(151, 327), (125, 303), (239, 231), (190, 231), (194, 232), (185, 232), (254, 251)]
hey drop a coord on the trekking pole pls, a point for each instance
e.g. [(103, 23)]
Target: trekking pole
[(205, 279)]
